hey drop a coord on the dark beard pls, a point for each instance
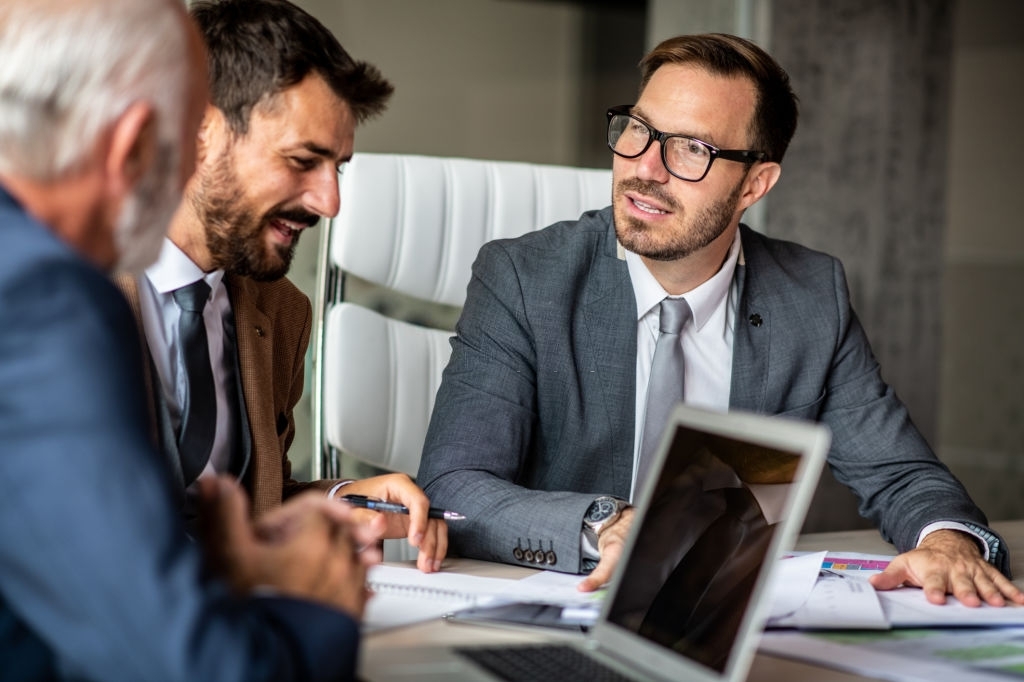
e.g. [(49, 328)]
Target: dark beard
[(703, 228), (234, 233)]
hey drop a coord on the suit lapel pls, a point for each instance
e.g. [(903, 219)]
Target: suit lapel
[(130, 289), (609, 314), (240, 458), (752, 330), (254, 336), (161, 433)]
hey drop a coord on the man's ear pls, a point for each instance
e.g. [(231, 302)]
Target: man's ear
[(760, 179), (133, 147), (211, 131)]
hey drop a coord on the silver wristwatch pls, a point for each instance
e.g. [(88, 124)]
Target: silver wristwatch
[(603, 511)]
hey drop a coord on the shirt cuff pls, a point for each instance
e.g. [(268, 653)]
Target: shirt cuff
[(988, 542), (338, 486), (587, 550)]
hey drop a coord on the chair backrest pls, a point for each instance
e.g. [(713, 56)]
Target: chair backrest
[(414, 224)]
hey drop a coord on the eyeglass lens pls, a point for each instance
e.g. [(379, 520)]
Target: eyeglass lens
[(684, 156)]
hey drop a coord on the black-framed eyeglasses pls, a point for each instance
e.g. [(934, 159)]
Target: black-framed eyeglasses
[(685, 157)]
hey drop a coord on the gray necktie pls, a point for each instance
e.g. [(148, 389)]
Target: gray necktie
[(199, 413), (665, 387)]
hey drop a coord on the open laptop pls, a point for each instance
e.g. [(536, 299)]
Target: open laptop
[(688, 598)]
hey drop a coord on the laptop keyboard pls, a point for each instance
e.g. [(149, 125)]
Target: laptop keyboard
[(542, 662)]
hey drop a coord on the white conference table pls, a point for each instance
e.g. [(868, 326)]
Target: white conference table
[(765, 668)]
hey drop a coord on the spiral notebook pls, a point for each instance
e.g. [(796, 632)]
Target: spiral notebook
[(403, 596), (674, 612)]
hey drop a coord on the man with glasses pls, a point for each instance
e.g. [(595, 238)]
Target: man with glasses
[(575, 341)]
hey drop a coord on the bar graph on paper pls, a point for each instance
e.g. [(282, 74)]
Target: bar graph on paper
[(855, 562)]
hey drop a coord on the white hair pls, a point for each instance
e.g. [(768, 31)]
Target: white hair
[(68, 70)]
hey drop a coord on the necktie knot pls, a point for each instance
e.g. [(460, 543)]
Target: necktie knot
[(673, 315), (192, 297)]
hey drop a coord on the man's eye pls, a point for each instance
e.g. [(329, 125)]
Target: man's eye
[(304, 163), (692, 147), (637, 129)]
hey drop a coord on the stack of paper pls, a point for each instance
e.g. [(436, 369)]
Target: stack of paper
[(828, 591), (894, 634)]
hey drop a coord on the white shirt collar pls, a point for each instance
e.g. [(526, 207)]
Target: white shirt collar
[(703, 300), (173, 270)]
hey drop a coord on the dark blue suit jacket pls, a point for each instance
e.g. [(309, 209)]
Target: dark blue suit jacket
[(536, 410), (97, 578)]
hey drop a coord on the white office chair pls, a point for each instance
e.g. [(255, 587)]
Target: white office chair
[(413, 224)]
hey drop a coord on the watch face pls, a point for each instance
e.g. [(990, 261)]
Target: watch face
[(601, 509)]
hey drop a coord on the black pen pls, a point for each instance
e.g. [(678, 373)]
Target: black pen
[(394, 508)]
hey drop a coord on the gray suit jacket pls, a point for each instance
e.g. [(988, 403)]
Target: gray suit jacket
[(536, 412)]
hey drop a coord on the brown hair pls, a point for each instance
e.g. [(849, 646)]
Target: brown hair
[(258, 48), (775, 114)]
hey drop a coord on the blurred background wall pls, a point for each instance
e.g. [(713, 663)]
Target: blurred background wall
[(904, 165)]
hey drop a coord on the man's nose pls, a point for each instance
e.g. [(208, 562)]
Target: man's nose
[(321, 195)]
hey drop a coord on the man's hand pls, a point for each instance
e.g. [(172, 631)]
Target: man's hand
[(610, 544), (949, 562), (429, 535), (309, 548)]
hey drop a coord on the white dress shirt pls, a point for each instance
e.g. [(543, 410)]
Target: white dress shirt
[(706, 338), (707, 357), (160, 314)]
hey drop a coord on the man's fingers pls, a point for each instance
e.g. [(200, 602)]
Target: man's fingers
[(945, 569), (602, 573), (610, 543), (433, 547), (595, 580), (938, 583), (281, 523), (417, 523), (966, 585), (401, 489), (225, 511), (991, 587), (370, 555), (1008, 589), (361, 518), (894, 575), (987, 590), (368, 530), (227, 536), (345, 574)]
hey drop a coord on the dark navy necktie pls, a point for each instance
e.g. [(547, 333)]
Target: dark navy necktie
[(199, 413)]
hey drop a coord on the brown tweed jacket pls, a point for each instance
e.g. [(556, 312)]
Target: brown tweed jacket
[(273, 322)]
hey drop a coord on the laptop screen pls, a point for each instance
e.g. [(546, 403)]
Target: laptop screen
[(706, 533)]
